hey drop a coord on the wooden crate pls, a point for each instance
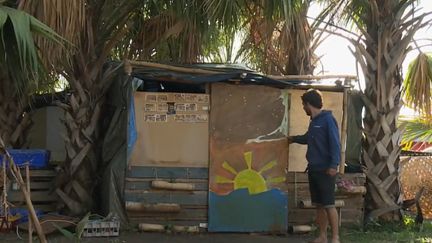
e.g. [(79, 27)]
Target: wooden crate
[(193, 204), (298, 189), (41, 190)]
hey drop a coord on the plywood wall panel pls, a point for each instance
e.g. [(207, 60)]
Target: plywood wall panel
[(299, 122), (172, 130)]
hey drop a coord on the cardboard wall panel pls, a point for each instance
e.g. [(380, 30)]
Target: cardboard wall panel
[(172, 130)]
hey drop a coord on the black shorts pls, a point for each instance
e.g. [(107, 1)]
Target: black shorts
[(322, 188)]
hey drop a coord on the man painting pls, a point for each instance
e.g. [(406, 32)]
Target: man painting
[(323, 156)]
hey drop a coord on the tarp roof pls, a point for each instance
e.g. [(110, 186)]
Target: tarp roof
[(210, 73)]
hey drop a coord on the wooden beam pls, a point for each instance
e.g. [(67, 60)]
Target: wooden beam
[(312, 77), (308, 204), (171, 68), (204, 71)]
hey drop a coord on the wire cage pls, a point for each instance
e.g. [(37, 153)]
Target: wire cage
[(415, 173)]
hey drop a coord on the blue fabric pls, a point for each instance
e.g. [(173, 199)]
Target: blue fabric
[(132, 130), (323, 142)]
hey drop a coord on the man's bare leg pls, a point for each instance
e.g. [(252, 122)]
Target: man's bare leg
[(334, 224), (322, 221)]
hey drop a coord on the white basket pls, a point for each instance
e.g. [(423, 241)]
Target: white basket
[(98, 228)]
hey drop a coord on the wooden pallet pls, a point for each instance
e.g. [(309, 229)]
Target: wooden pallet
[(41, 190), (193, 203), (298, 189)]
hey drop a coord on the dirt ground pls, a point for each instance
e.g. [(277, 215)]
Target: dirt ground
[(172, 238)]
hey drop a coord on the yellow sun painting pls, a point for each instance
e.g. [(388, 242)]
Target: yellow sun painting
[(249, 178)]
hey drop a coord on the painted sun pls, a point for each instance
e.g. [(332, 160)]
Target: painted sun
[(249, 178)]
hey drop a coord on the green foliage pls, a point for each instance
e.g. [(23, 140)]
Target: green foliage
[(417, 129), (79, 229), (21, 62), (388, 232)]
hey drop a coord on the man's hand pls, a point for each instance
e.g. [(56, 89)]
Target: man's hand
[(331, 171), (290, 139)]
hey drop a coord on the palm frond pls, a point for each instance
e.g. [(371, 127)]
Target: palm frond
[(66, 18), (418, 129), (21, 60), (417, 84)]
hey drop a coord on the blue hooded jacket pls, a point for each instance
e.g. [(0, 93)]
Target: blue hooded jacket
[(323, 142)]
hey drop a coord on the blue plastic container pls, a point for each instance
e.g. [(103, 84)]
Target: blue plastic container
[(24, 214), (37, 158)]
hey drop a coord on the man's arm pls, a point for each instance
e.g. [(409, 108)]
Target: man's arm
[(334, 143), (301, 139)]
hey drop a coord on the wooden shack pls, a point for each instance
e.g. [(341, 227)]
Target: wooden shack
[(209, 149)]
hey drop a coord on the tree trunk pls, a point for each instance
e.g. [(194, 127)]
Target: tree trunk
[(78, 179), (385, 44), (14, 121), (381, 155), (80, 175)]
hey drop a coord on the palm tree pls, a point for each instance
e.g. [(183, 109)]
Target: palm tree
[(386, 28), (417, 88), (102, 31), (169, 31), (276, 36), (21, 70), (94, 28)]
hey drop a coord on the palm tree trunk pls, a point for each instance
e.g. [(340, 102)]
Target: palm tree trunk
[(81, 162), (384, 47), (381, 154), (80, 174), (14, 121)]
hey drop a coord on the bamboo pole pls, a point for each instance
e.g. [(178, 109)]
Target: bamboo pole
[(30, 227), (17, 174), (151, 227), (171, 68), (344, 132), (29, 203), (185, 229), (312, 77), (172, 186), (301, 229), (158, 207), (308, 204)]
